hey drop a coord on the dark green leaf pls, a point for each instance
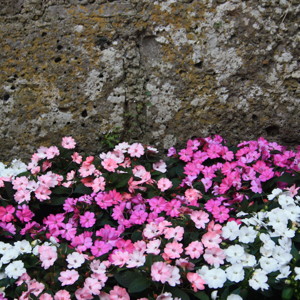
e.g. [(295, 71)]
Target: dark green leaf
[(9, 189), (176, 292), (136, 236), (61, 190), (201, 296), (82, 189), (139, 284), (176, 182), (57, 200), (125, 278), (287, 293)]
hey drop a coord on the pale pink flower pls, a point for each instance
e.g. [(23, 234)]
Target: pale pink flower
[(160, 166), (194, 249), (47, 255), (76, 158), (200, 218), (68, 142), (118, 293), (62, 295), (173, 250), (93, 285), (42, 193), (174, 233), (136, 150), (160, 271), (211, 239), (196, 280), (83, 294), (35, 287), (164, 184), (52, 152), (45, 296), (98, 184), (109, 164), (214, 256), (153, 247), (68, 277)]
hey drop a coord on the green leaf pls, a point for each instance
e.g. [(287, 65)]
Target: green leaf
[(176, 182), (61, 190), (287, 177), (287, 293), (139, 284), (201, 296), (9, 189), (176, 292), (122, 180), (57, 201), (125, 278), (82, 189), (136, 236)]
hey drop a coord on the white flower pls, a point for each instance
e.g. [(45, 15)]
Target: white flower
[(235, 273), (98, 267), (75, 260), (282, 255), (234, 254), (230, 231), (297, 271), (215, 278), (285, 200), (259, 280), (277, 218), (284, 272), (9, 255), (214, 295), (247, 235), (274, 194), (22, 247), (4, 247), (249, 260), (268, 264), (15, 269), (293, 213), (234, 297)]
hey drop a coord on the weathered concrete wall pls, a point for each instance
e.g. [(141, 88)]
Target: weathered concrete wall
[(162, 71)]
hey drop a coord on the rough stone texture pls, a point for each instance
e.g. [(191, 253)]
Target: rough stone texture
[(161, 71)]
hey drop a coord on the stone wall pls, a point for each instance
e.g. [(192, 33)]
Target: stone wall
[(161, 71)]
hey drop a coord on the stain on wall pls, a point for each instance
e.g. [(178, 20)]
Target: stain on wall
[(160, 71)]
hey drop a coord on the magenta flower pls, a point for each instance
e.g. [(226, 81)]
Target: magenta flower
[(87, 220)]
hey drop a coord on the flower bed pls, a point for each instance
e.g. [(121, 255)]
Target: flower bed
[(210, 222)]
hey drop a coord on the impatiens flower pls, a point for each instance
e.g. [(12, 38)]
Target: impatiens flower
[(160, 271), (109, 164), (93, 285), (68, 142), (211, 239), (118, 293), (87, 220), (194, 250), (164, 184), (75, 260), (173, 250), (62, 295), (200, 218), (136, 150), (259, 280), (15, 269), (68, 277), (235, 273), (47, 255), (196, 280), (215, 278)]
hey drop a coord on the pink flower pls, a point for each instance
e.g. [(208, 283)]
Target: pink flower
[(42, 193), (174, 233), (45, 296), (211, 239), (6, 213), (214, 256), (22, 195), (52, 152), (119, 257), (98, 184), (35, 287), (196, 281), (68, 142), (76, 158), (173, 250), (136, 150), (194, 249), (100, 248), (118, 293), (164, 183), (83, 294), (68, 277), (109, 164), (200, 218), (24, 213), (62, 295), (160, 271), (221, 213), (87, 220), (93, 285), (47, 255)]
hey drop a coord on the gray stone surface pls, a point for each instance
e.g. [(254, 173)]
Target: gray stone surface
[(160, 71)]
